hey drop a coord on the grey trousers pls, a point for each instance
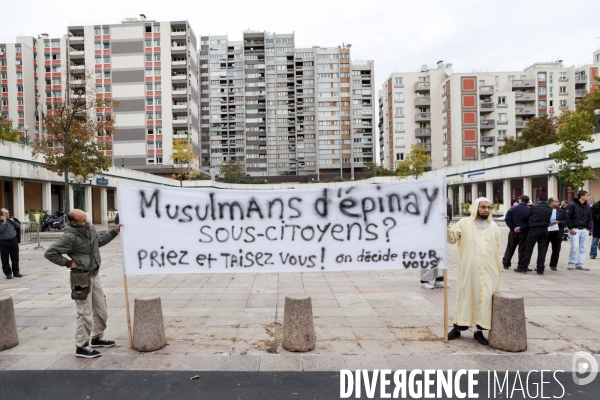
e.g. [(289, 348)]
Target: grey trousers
[(428, 274), (91, 314)]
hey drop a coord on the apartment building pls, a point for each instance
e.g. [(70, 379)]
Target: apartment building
[(461, 116), (150, 67), (31, 77), (284, 110)]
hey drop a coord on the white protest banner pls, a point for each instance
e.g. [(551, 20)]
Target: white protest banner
[(380, 226)]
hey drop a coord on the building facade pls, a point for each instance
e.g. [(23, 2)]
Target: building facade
[(283, 110), (465, 116), (150, 68)]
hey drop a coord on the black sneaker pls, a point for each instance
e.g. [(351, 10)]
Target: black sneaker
[(8, 276), (529, 269), (480, 338), (521, 271), (17, 275), (553, 268), (453, 334), (87, 352), (98, 342)]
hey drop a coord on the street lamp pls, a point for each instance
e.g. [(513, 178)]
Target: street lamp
[(78, 181), (519, 135), (27, 136), (597, 114), (122, 161)]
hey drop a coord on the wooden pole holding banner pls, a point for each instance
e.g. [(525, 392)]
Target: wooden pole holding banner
[(445, 306), (127, 308)]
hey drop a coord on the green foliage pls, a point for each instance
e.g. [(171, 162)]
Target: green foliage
[(372, 170), (539, 131), (338, 179), (574, 128), (464, 207), (496, 207), (32, 214), (232, 172), (414, 163), (589, 103), (7, 132)]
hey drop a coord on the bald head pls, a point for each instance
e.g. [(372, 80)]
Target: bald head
[(77, 218)]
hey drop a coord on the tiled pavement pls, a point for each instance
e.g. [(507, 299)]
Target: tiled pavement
[(363, 319)]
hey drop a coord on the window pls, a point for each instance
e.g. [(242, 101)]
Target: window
[(399, 142), (106, 45), (157, 43), (511, 78), (496, 81), (148, 72), (105, 31), (550, 77), (542, 104), (148, 43), (502, 119), (562, 89), (563, 104), (399, 97), (98, 75), (106, 60), (148, 57), (551, 91), (96, 31), (98, 60), (399, 112), (501, 134), (398, 81), (156, 28), (157, 72), (562, 76), (399, 156), (399, 126), (541, 77), (542, 90), (157, 57), (501, 100), (106, 74)]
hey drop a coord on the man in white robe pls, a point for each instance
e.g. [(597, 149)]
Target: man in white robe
[(479, 269)]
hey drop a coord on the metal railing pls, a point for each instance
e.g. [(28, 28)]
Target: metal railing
[(30, 233)]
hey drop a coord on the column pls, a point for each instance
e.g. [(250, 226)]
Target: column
[(506, 195), (103, 206), (87, 201), (116, 197), (474, 194), (552, 187), (461, 194), (528, 188), (18, 208), (489, 190), (47, 197), (71, 198)]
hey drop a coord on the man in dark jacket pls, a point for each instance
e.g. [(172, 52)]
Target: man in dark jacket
[(81, 242), (9, 244), (558, 221), (516, 222), (580, 223), (595, 229), (538, 217)]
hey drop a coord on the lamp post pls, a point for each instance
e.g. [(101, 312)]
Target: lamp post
[(519, 135), (27, 136), (79, 182), (122, 161), (597, 114)]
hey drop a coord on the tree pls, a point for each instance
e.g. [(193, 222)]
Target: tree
[(185, 160), (232, 172), (590, 102), (77, 131), (539, 131), (574, 128), (7, 132), (372, 170), (414, 163)]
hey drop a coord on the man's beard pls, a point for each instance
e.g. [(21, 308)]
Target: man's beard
[(481, 216)]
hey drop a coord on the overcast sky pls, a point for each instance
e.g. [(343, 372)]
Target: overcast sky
[(394, 33)]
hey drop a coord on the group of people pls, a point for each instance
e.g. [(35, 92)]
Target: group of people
[(479, 256), (544, 224)]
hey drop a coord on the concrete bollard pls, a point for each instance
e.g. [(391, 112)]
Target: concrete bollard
[(8, 324), (509, 328), (148, 324), (298, 327)]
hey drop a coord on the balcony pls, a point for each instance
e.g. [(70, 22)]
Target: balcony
[(525, 96), (563, 106), (425, 146), (520, 124), (422, 117), (524, 111), (422, 86), (523, 83), (179, 62), (180, 106), (76, 53), (563, 79), (487, 90), (487, 124), (580, 93), (422, 132), (422, 101), (78, 39), (179, 77), (488, 140), (486, 107), (179, 91), (581, 78), (178, 33)]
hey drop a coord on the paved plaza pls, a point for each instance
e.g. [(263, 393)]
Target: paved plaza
[(363, 319)]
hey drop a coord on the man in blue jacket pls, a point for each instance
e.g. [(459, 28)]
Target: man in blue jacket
[(517, 236)]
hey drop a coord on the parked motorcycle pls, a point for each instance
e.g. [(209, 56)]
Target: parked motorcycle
[(53, 221)]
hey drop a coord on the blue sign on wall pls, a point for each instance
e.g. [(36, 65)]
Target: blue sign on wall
[(102, 181)]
